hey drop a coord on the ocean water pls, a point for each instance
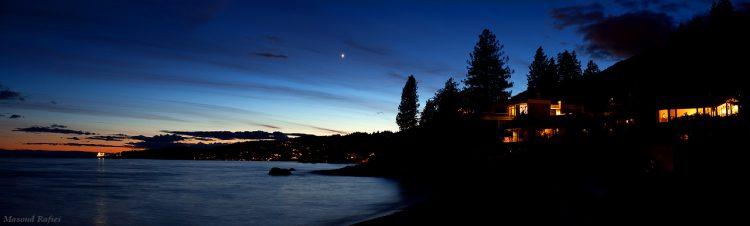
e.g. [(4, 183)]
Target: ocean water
[(175, 192)]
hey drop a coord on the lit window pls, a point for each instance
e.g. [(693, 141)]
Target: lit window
[(663, 116), (523, 109)]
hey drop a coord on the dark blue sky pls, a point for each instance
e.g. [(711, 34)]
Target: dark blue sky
[(138, 67)]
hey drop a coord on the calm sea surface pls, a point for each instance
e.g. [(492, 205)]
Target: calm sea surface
[(174, 192)]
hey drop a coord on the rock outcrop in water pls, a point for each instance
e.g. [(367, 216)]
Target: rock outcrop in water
[(276, 171)]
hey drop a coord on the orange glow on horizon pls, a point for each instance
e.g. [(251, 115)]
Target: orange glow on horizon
[(11, 141), (13, 147)]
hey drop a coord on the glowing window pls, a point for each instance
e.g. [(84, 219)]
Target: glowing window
[(663, 117), (686, 112), (523, 109)]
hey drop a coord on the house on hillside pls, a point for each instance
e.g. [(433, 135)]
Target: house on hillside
[(608, 107), (537, 104), (532, 114)]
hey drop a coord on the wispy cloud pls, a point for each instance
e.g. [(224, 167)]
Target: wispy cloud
[(7, 94), (240, 85), (113, 137), (60, 108), (202, 138), (158, 141), (134, 73), (330, 130), (52, 129), (267, 88), (629, 4), (313, 127), (273, 39), (215, 107), (182, 17), (377, 50), (160, 47), (270, 55), (80, 145), (395, 75), (625, 35), (15, 116), (228, 135), (193, 12), (636, 5), (618, 36), (235, 110), (577, 15), (269, 126), (673, 7)]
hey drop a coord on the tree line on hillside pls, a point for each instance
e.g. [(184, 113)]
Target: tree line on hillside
[(700, 63), (487, 83), (547, 74)]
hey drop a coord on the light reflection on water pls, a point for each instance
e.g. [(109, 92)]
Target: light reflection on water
[(170, 192), (100, 219)]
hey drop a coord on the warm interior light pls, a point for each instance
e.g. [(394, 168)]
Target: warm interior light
[(556, 109), (725, 109), (523, 109), (663, 116)]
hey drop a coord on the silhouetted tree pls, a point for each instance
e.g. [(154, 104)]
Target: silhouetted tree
[(448, 99), (591, 69), (537, 68), (428, 113), (550, 79), (568, 66), (721, 11), (407, 110), (443, 107), (487, 79), (543, 75)]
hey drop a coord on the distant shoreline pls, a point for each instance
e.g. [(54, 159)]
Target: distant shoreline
[(4, 153)]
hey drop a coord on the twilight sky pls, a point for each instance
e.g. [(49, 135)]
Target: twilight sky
[(110, 75)]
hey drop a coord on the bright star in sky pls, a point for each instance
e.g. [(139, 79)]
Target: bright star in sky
[(343, 55)]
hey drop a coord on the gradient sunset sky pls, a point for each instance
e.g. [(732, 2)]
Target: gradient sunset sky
[(94, 75)]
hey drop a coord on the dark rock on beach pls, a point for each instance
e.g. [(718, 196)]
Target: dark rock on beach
[(280, 172)]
